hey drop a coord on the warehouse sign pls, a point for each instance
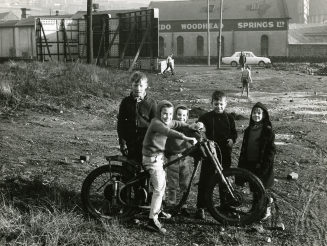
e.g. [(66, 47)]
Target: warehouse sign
[(228, 25)]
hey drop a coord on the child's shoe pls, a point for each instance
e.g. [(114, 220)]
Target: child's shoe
[(268, 209), (154, 224), (164, 215), (267, 214)]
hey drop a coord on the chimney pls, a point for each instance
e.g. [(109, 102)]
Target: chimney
[(57, 12), (24, 13)]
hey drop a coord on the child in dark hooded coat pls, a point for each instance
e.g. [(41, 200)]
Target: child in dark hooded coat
[(258, 148)]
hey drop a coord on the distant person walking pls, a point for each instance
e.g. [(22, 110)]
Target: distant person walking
[(242, 60), (169, 64), (246, 79)]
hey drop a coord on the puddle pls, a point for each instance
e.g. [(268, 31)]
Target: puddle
[(281, 143), (284, 136)]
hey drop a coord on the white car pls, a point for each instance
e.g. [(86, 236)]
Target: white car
[(251, 59)]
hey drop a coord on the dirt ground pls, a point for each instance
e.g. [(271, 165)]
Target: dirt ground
[(48, 144)]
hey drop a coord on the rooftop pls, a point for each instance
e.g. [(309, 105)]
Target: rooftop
[(232, 9)]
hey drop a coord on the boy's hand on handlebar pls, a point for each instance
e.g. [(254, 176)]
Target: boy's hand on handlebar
[(192, 140), (230, 143), (123, 149)]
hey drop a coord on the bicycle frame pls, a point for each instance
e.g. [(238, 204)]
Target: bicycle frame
[(207, 150)]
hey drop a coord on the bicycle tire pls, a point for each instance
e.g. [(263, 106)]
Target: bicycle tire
[(101, 203), (250, 194)]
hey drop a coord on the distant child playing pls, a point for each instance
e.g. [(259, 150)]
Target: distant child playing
[(178, 174), (161, 127), (246, 79), (219, 127), (169, 61), (258, 148)]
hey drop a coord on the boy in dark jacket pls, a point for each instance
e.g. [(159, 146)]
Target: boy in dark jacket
[(219, 127), (135, 114), (258, 148)]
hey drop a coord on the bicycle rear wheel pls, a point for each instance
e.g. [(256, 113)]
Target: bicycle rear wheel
[(249, 193), (99, 194)]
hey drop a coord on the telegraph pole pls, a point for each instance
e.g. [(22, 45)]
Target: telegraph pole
[(208, 33), (220, 30), (89, 33)]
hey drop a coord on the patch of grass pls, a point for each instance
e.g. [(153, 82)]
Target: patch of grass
[(34, 213), (66, 84)]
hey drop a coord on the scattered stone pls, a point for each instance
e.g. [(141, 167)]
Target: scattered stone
[(181, 89), (296, 163), (268, 239), (292, 176), (61, 111), (85, 158), (258, 228), (280, 226)]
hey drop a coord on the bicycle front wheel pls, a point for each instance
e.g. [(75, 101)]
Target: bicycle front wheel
[(243, 204), (99, 194)]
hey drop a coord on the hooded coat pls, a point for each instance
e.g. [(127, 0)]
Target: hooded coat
[(264, 168)]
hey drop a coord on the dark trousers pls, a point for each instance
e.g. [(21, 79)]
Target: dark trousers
[(207, 172), (171, 68)]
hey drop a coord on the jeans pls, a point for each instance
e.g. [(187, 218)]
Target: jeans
[(154, 165)]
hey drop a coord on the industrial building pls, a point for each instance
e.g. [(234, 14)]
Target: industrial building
[(257, 25), (273, 28)]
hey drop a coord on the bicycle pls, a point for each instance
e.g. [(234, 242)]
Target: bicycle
[(106, 194)]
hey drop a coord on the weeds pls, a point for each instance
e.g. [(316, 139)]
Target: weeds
[(66, 84)]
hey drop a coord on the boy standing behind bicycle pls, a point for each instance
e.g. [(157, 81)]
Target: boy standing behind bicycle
[(135, 114), (161, 127), (178, 174), (219, 127)]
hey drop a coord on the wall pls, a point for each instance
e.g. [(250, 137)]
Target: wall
[(308, 50), (6, 42), (233, 41), (25, 42)]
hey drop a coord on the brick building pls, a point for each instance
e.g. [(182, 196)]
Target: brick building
[(257, 25)]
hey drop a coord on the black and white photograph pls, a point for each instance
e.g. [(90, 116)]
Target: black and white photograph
[(163, 122)]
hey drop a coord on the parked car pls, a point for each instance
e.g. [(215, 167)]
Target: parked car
[(251, 59)]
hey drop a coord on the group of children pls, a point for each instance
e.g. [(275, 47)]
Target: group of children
[(163, 135)]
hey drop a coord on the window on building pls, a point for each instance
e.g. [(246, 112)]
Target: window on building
[(161, 47), (199, 45), (222, 46), (180, 46), (264, 45)]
